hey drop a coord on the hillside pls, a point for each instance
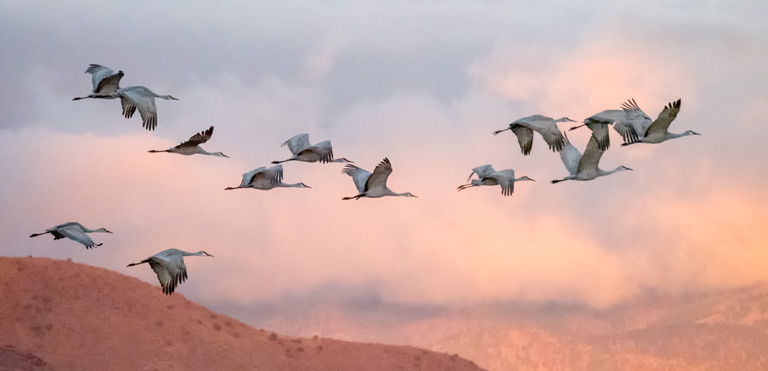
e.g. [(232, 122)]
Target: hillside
[(719, 330), (79, 317)]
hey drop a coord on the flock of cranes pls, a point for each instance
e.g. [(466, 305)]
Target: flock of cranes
[(630, 122)]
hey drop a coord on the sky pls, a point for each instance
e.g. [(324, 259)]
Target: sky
[(423, 83)]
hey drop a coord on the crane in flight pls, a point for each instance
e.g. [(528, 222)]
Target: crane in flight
[(372, 185), (105, 82), (634, 125), (627, 121), (74, 231), (658, 132), (584, 167), (303, 151), (192, 146), (546, 126), (143, 99), (265, 179), (487, 176), (169, 267)]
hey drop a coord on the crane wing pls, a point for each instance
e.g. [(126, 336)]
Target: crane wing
[(108, 84), (197, 139), (324, 150), (506, 180), (524, 138), (74, 233), (482, 171), (591, 157), (378, 180), (634, 124), (298, 143), (547, 128), (667, 115), (136, 97), (275, 174), (98, 73), (170, 270), (359, 176), (266, 176), (599, 122), (570, 157), (248, 177)]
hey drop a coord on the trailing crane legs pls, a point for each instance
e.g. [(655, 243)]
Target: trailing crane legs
[(487, 176), (169, 267), (74, 231), (372, 185)]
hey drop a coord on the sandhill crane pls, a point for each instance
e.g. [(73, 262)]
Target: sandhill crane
[(634, 125), (265, 179), (74, 231), (627, 121), (487, 176), (546, 126), (105, 82), (302, 150), (372, 185), (657, 131), (584, 167), (140, 97), (169, 267), (192, 146)]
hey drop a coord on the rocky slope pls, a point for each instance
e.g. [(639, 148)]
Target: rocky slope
[(79, 317)]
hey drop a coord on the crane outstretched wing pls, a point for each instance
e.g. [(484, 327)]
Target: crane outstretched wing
[(378, 180), (665, 118), (359, 176), (482, 171), (170, 270), (76, 234), (197, 139), (298, 143)]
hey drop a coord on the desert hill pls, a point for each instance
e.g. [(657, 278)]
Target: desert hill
[(79, 317), (715, 330)]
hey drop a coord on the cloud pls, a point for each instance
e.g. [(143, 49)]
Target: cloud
[(426, 94)]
